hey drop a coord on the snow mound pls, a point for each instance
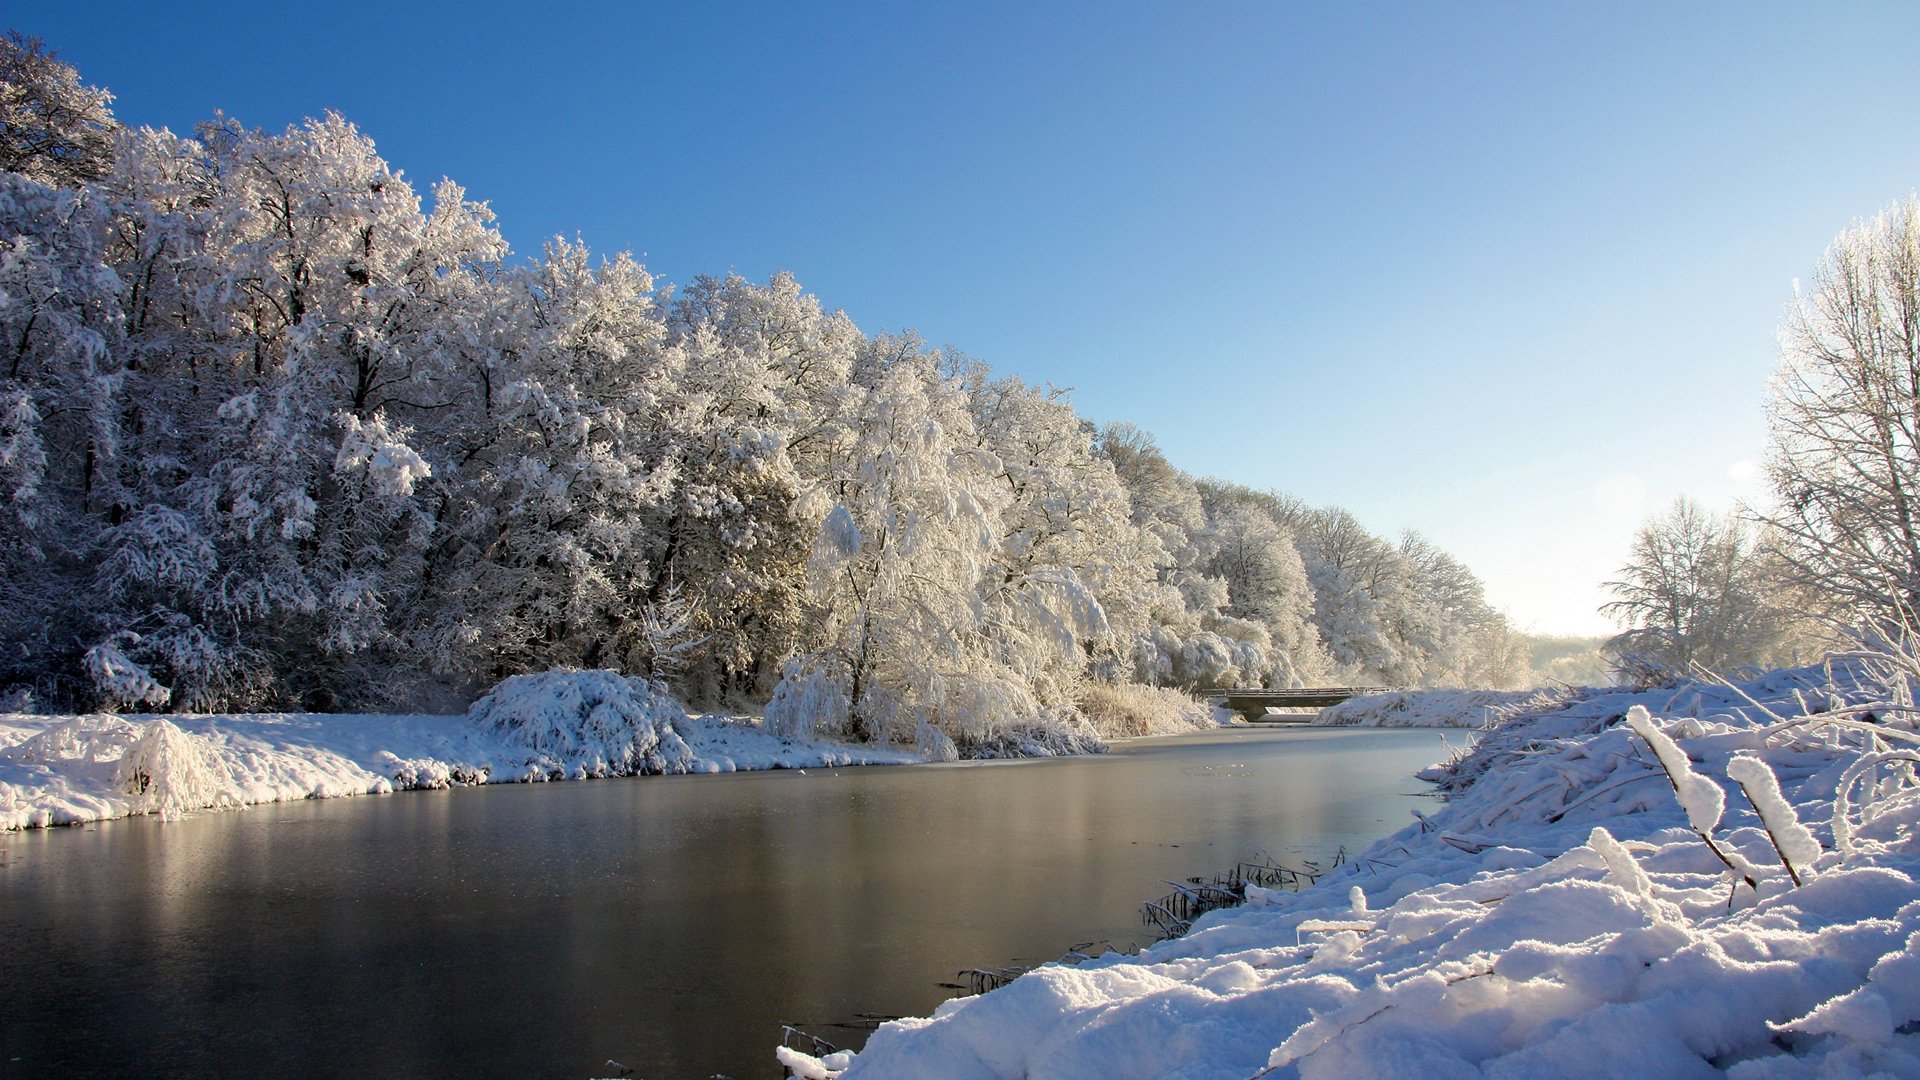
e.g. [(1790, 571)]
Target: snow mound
[(94, 738), (1710, 880), (171, 773), (577, 724)]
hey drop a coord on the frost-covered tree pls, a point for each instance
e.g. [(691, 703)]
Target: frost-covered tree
[(350, 312), (1844, 422), (1445, 619), (762, 405), (53, 129), (62, 391), (1356, 576), (1700, 592), (278, 429), (1165, 500), (926, 630), (544, 543), (1067, 514)]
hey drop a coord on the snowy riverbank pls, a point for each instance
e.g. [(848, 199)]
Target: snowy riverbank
[(1438, 708), (1562, 914), (61, 770)]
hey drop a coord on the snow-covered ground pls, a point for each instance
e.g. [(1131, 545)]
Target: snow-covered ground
[(1437, 708), (1564, 914), (58, 770)]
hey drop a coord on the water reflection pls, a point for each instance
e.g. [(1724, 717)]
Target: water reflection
[(668, 923)]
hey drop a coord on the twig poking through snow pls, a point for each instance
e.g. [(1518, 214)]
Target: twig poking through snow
[(1700, 797), (1792, 840)]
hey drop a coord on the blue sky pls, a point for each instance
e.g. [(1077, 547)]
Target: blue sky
[(1508, 274)]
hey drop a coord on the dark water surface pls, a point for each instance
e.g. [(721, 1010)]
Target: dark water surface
[(668, 923)]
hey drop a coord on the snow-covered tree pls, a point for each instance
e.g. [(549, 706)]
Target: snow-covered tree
[(53, 129), (62, 389), (277, 429), (561, 476), (1267, 585), (925, 628), (1700, 592), (1067, 517), (1844, 422), (761, 406)]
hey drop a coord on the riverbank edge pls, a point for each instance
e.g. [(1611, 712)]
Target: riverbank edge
[(75, 769), (1563, 908)]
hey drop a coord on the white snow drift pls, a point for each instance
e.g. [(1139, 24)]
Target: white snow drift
[(59, 770), (1437, 708)]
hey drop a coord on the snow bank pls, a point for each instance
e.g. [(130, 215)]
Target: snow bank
[(1563, 914), (1439, 708), (60, 770)]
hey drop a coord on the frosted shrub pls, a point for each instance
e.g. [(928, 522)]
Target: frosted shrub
[(933, 744), (1130, 709), (118, 679), (93, 738), (587, 723), (1207, 659), (811, 697), (1052, 733), (169, 772)]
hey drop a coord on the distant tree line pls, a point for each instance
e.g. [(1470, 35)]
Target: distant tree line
[(278, 431), (1837, 548)]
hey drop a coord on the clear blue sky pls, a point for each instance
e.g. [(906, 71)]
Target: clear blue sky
[(1508, 274)]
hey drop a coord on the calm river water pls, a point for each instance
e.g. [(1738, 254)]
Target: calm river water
[(670, 924)]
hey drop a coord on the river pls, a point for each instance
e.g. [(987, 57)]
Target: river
[(669, 924)]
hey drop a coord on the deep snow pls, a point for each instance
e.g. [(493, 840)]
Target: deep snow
[(1562, 914), (60, 770)]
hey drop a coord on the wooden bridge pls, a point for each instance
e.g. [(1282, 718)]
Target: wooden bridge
[(1253, 704)]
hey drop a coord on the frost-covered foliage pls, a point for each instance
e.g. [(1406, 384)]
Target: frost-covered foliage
[(811, 699), (580, 724), (1701, 591), (1566, 913), (1132, 709), (280, 428), (170, 773), (1842, 457), (53, 129)]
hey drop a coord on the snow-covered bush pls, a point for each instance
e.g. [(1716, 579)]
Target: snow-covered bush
[(1126, 710), (96, 737), (1053, 734), (169, 773), (811, 699), (120, 680), (586, 723)]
